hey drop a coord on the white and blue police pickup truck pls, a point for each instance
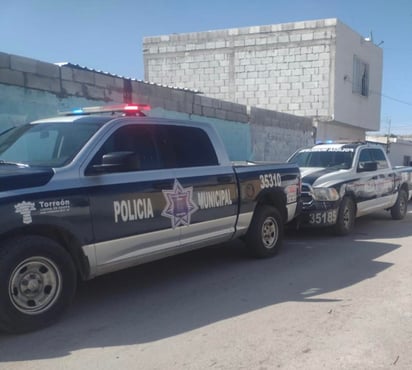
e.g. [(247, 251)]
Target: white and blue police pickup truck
[(342, 181), (103, 189)]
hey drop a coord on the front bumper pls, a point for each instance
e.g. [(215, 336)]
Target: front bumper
[(319, 213)]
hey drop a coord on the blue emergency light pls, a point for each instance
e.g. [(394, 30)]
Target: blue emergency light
[(126, 109)]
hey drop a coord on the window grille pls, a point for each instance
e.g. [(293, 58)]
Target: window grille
[(360, 81)]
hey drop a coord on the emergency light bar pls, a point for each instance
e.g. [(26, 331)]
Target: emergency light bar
[(127, 109)]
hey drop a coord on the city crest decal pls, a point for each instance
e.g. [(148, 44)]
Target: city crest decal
[(179, 205), (25, 209)]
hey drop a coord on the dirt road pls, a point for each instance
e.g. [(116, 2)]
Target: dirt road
[(323, 303)]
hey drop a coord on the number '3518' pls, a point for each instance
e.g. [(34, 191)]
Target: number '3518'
[(269, 180)]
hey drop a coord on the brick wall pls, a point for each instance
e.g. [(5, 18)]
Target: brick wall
[(283, 67), (31, 89)]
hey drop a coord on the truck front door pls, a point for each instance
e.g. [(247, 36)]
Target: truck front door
[(127, 203), (375, 189)]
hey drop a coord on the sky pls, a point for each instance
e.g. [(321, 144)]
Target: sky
[(107, 35)]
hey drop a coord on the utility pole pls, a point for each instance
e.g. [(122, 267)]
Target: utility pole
[(388, 136)]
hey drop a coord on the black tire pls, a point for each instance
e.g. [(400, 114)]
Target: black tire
[(37, 283), (265, 235), (398, 211), (346, 217)]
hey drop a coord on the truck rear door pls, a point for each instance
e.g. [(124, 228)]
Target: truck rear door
[(204, 196)]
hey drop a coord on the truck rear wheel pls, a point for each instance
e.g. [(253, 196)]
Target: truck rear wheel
[(37, 283), (398, 211), (265, 234), (346, 217)]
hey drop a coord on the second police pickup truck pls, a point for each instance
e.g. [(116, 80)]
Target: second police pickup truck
[(85, 194), (342, 181)]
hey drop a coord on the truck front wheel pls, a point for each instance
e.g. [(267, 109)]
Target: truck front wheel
[(346, 217), (265, 234), (37, 283), (398, 211)]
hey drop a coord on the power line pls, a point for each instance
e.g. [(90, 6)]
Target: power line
[(397, 100), (391, 98)]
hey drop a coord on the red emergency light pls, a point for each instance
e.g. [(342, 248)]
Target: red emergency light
[(127, 109)]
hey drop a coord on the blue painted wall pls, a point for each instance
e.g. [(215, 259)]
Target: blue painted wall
[(23, 105)]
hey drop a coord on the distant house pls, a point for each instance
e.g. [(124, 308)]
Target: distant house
[(320, 69), (399, 150)]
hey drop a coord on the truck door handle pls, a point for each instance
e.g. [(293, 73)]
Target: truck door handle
[(224, 179)]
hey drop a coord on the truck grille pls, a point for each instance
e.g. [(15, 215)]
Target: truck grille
[(306, 195)]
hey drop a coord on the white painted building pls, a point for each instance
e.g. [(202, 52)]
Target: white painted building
[(320, 69), (399, 150)]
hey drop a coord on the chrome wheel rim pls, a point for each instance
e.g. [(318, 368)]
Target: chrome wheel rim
[(34, 285), (270, 233)]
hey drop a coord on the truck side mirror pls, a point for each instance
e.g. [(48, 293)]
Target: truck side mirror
[(118, 162), (368, 166)]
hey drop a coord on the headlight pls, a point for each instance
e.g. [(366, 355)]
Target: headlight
[(325, 194)]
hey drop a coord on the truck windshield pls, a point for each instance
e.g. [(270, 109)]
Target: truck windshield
[(337, 159), (44, 144)]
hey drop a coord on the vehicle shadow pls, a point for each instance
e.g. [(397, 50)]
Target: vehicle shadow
[(182, 293)]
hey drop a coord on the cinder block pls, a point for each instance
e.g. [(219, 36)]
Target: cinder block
[(295, 37), (156, 102), (104, 80), (208, 111), (4, 60), (47, 69), (23, 64), (83, 76), (324, 56), (94, 92), (185, 106), (10, 77), (283, 38), (316, 92), (206, 101), (276, 27), (114, 96), (66, 73), (301, 57), (254, 29), (197, 109), (330, 22), (320, 35), (43, 83), (72, 88), (307, 37), (220, 114)]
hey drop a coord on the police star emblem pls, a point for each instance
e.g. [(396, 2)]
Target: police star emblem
[(179, 205)]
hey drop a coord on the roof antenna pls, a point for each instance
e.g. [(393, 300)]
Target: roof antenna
[(370, 38)]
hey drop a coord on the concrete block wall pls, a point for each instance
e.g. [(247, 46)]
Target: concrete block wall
[(283, 67), (269, 144), (31, 89)]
